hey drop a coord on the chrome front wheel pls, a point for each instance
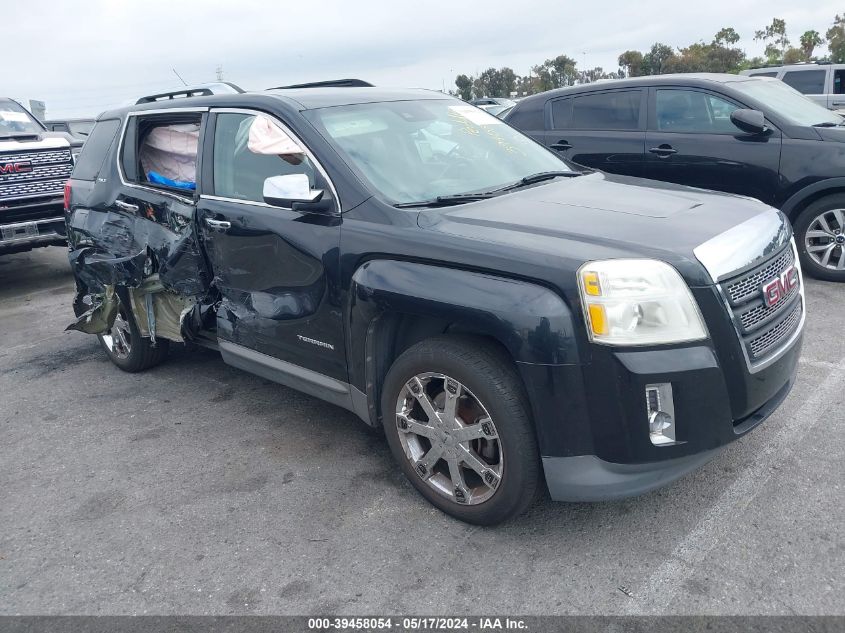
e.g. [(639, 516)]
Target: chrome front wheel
[(449, 438), (824, 239)]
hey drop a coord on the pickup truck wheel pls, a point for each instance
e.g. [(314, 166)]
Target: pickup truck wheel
[(456, 418), (126, 347), (820, 237)]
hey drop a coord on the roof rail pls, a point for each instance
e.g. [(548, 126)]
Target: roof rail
[(331, 83), (819, 62), (194, 91)]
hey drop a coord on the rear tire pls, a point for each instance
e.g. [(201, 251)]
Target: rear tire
[(820, 238), (125, 346), (474, 455)]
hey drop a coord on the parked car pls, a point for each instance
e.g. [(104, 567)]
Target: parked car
[(78, 128), (822, 82), (751, 136), (491, 102), (34, 166), (500, 111), (505, 319)]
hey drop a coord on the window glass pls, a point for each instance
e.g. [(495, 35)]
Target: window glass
[(617, 110), (528, 116), (95, 150), (243, 161), (768, 73), (693, 111), (808, 82), (415, 151), (15, 119), (167, 152), (839, 82), (561, 114), (785, 102)]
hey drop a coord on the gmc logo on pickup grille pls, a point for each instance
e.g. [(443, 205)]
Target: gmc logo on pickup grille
[(779, 287), (21, 167)]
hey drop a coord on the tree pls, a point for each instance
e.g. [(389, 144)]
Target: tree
[(631, 63), (793, 56), (836, 39), (809, 41), (775, 35), (655, 60), (464, 85), (726, 37)]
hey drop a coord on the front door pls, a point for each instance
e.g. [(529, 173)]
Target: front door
[(276, 268), (692, 141)]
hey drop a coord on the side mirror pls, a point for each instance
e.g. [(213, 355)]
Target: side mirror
[(751, 121), (284, 191)]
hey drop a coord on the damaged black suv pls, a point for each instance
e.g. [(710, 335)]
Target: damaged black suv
[(510, 322)]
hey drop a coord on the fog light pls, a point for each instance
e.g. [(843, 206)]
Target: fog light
[(661, 413)]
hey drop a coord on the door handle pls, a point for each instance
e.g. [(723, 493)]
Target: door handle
[(663, 151), (221, 225), (126, 206), (561, 146), (838, 103)]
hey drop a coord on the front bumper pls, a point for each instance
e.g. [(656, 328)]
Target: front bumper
[(592, 420), (589, 478), (16, 237)]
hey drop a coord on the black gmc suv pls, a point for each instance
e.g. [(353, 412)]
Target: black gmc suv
[(34, 166), (506, 319), (752, 136)]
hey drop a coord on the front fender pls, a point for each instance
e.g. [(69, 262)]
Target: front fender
[(531, 321)]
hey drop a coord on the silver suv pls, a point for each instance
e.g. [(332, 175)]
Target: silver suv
[(822, 82)]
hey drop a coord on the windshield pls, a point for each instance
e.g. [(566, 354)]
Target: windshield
[(413, 151), (787, 102), (15, 120)]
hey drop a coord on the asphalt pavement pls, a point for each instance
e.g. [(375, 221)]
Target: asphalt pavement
[(195, 488)]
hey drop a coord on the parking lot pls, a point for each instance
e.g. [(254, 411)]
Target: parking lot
[(199, 489)]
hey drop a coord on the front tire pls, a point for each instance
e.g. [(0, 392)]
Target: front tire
[(457, 420), (820, 237), (125, 346)]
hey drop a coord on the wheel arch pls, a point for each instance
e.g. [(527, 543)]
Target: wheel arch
[(395, 304), (800, 200)]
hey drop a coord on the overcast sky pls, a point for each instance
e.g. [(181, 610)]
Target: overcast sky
[(90, 55)]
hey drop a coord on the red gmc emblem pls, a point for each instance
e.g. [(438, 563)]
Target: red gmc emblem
[(22, 167), (779, 287)]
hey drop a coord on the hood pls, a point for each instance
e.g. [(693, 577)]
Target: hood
[(70, 138), (599, 216), (836, 134)]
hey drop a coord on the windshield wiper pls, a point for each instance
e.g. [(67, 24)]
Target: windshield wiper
[(447, 201), (826, 124), (540, 177)]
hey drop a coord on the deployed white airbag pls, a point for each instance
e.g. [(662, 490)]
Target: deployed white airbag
[(171, 151)]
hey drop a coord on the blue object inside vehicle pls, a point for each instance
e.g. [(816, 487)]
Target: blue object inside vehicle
[(158, 179)]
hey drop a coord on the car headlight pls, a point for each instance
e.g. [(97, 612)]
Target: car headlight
[(638, 302)]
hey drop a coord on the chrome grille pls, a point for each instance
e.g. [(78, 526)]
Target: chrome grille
[(762, 329), (42, 157), (40, 173), (760, 313), (762, 344), (748, 286), (34, 188), (50, 169)]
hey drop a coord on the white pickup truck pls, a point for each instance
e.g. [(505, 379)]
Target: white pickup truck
[(34, 166)]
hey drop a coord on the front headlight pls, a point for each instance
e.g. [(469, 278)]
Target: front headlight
[(638, 302)]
